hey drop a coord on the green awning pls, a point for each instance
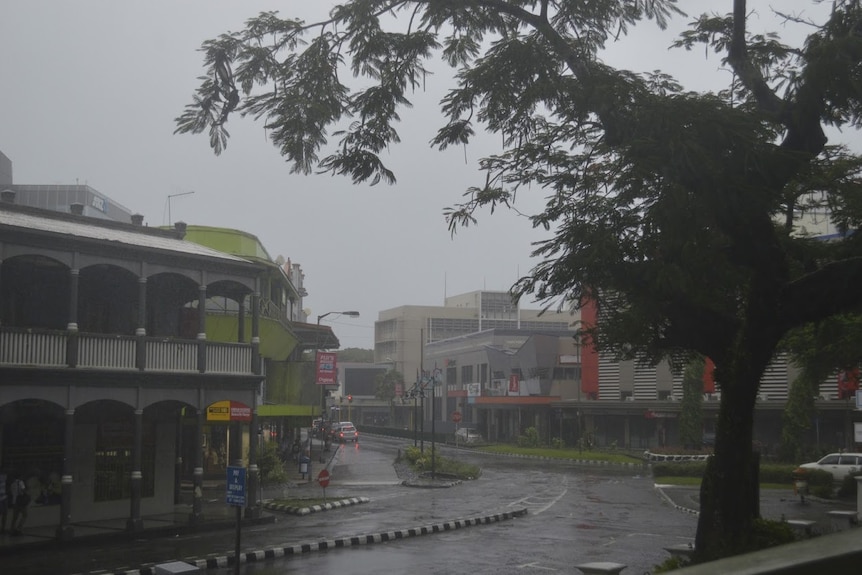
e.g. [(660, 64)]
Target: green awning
[(287, 410)]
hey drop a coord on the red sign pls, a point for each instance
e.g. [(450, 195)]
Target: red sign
[(456, 416), (323, 478), (327, 374), (228, 411), (514, 385)]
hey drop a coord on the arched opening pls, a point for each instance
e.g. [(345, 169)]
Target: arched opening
[(34, 293), (107, 300)]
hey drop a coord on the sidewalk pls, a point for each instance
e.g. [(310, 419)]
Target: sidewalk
[(217, 514), (775, 504)]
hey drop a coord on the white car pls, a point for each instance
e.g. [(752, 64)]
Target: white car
[(468, 435), (840, 465)]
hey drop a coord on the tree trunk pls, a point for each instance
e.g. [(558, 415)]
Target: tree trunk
[(729, 493)]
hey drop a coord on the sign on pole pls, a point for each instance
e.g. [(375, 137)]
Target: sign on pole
[(327, 371), (236, 486)]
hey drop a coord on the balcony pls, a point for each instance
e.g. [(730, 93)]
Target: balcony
[(46, 348)]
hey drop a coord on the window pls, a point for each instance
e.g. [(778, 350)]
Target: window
[(467, 373)]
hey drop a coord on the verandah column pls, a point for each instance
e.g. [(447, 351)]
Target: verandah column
[(72, 325), (202, 328), (251, 508), (141, 330), (196, 516), (65, 531), (135, 523)]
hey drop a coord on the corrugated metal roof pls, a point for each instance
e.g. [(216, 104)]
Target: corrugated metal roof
[(121, 236)]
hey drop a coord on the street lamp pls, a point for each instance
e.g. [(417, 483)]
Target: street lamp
[(347, 313), (350, 313)]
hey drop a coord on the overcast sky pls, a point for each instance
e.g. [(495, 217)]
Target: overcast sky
[(90, 90)]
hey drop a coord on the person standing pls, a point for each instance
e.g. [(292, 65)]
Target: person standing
[(20, 502), (4, 501)]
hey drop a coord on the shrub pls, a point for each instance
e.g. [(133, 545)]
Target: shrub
[(558, 443), (530, 438), (768, 533), (671, 564), (272, 470), (849, 487)]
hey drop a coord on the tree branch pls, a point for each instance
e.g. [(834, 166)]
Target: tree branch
[(833, 289)]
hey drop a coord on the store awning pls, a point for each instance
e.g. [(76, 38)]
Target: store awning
[(285, 410)]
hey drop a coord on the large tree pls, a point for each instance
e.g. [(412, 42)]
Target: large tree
[(673, 210)]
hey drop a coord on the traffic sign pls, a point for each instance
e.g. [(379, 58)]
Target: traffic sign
[(456, 416), (323, 478), (236, 486)]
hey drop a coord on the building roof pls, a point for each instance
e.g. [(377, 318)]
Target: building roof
[(28, 219)]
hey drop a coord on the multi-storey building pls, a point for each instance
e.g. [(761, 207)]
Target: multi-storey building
[(504, 380), (401, 333), (134, 362)]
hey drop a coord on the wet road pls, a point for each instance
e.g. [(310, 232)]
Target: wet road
[(576, 514)]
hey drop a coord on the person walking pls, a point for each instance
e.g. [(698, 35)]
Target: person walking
[(4, 501), (20, 503)]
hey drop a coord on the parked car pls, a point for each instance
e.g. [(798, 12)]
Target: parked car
[(345, 431), (840, 465), (468, 435)]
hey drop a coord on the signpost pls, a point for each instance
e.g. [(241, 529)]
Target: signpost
[(456, 416), (236, 494), (323, 480)]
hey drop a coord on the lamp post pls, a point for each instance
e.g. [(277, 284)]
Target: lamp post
[(435, 379), (350, 313), (347, 313)]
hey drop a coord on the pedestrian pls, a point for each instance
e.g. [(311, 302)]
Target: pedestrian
[(20, 502), (4, 501)]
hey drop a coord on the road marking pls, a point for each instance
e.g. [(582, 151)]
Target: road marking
[(536, 566), (538, 502)]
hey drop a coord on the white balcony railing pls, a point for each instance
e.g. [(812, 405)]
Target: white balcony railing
[(35, 348), (106, 351), (171, 355), (26, 347), (228, 358)]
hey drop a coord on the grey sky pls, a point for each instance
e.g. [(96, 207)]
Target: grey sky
[(90, 91)]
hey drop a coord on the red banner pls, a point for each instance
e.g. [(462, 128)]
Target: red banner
[(327, 374), (514, 385), (848, 383)]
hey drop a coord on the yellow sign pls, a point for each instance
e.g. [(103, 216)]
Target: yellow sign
[(228, 411), (219, 411)]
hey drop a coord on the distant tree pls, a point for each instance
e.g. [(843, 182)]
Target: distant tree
[(823, 351), (673, 210), (691, 412), (356, 355), (384, 389), (796, 418)]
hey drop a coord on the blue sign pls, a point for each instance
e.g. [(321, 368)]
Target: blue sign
[(236, 486)]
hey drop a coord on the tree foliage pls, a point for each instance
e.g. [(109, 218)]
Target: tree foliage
[(384, 384), (356, 355), (676, 211)]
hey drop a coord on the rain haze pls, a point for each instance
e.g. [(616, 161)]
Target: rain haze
[(91, 89)]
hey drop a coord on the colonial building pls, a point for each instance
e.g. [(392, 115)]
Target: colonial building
[(135, 362)]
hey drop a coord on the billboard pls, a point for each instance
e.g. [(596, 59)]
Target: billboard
[(327, 373)]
